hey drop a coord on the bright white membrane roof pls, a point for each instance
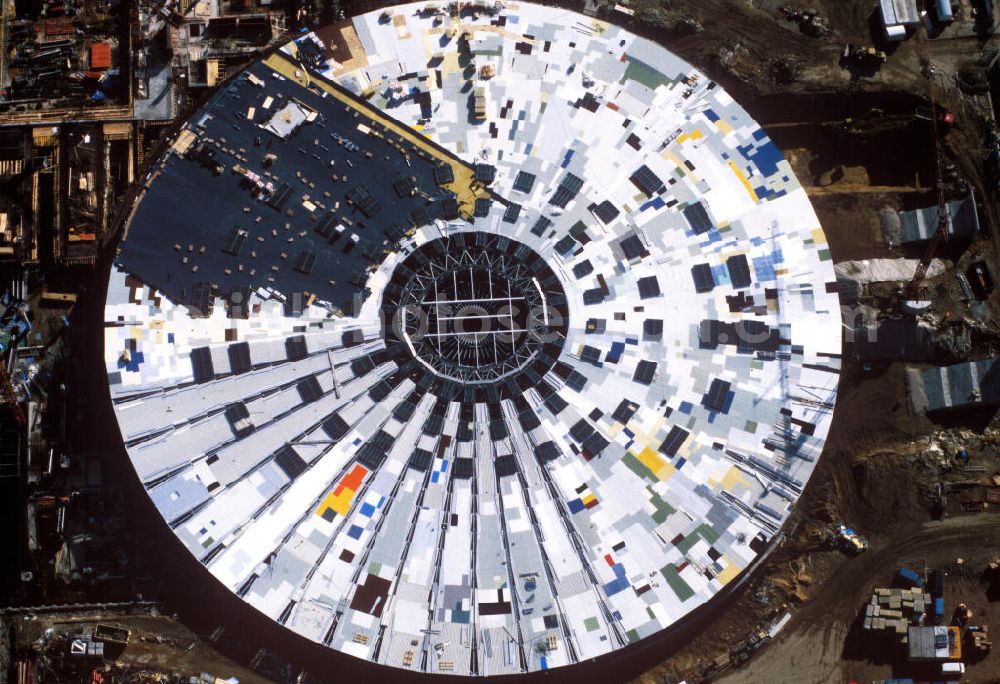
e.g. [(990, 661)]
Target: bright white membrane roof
[(704, 364)]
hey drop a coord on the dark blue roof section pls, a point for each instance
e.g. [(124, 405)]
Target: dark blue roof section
[(373, 452), (201, 364), (485, 173), (295, 347), (505, 465), (541, 225), (309, 389), (566, 245), (583, 269), (747, 336), (763, 153), (697, 217), (606, 211), (483, 205), (594, 295), (335, 427), (239, 357), (644, 372), (675, 439), (547, 451), (717, 397), (632, 247), (568, 188), (216, 220), (464, 468), (421, 460), (739, 271), (648, 287), (289, 462), (626, 409), (704, 281), (524, 182), (652, 328), (512, 212), (647, 181)]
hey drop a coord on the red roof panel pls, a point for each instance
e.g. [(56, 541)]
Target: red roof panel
[(100, 56)]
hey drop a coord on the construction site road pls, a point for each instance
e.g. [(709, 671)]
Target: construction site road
[(814, 640)]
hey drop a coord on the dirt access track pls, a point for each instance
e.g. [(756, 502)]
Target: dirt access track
[(817, 645)]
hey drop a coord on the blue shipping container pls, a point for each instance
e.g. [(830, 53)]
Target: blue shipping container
[(909, 576), (939, 607), (944, 13), (937, 583)]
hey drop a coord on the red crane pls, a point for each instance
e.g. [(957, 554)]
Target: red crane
[(7, 389), (913, 288)]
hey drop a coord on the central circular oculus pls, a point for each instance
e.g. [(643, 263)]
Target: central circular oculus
[(476, 309)]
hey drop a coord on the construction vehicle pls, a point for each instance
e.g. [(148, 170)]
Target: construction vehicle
[(848, 540), (809, 20), (861, 56), (741, 651), (876, 120), (952, 670)]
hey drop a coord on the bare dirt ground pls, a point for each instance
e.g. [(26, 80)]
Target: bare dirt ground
[(746, 41)]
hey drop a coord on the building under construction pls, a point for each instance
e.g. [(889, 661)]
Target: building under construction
[(84, 91)]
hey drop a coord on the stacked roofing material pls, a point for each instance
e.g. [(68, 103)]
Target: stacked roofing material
[(962, 385), (918, 225), (893, 610)]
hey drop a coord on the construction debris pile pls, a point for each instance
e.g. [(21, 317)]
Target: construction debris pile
[(809, 20), (68, 55)]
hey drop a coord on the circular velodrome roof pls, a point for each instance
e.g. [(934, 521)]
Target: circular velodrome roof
[(473, 344)]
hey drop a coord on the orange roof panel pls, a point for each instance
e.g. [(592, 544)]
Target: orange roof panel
[(100, 56)]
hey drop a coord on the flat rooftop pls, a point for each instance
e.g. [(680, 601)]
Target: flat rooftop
[(589, 363)]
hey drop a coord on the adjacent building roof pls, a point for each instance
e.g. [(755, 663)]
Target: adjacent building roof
[(918, 225), (962, 385)]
